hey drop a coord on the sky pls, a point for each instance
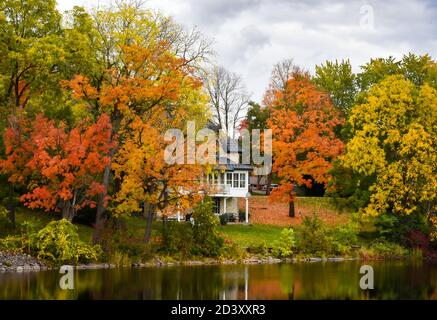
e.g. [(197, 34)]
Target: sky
[(250, 36)]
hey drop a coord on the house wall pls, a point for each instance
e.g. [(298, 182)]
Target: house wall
[(231, 205)]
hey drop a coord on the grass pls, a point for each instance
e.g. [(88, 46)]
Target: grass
[(268, 220), (250, 235), (38, 220)]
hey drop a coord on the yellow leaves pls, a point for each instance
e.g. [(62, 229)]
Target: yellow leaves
[(364, 155), (394, 139)]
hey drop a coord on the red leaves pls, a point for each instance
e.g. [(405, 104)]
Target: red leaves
[(54, 164), (304, 143)]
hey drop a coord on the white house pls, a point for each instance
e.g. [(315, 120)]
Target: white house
[(229, 182)]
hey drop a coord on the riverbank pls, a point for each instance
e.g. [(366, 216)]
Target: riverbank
[(21, 263)]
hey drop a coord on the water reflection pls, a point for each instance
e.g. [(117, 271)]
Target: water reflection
[(329, 280)]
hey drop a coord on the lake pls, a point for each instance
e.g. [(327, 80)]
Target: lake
[(400, 279)]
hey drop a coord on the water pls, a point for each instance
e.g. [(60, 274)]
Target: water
[(317, 280)]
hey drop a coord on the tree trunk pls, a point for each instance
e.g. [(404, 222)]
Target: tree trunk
[(101, 216), (11, 213), (68, 211), (164, 228), (269, 183), (149, 213), (291, 212)]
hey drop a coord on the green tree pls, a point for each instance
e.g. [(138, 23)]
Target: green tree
[(31, 51), (256, 117), (338, 80), (417, 69)]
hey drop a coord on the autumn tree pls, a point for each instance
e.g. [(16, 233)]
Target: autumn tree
[(303, 120), (349, 187), (147, 180), (60, 169), (394, 141), (145, 67)]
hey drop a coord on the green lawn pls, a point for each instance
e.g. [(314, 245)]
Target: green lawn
[(244, 235), (247, 235), (38, 220)]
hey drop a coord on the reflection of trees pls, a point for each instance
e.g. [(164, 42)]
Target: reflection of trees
[(330, 280)]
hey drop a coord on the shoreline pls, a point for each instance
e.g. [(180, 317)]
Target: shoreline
[(31, 264)]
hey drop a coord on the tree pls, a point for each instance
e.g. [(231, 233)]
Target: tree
[(282, 72), (31, 52), (256, 118), (338, 80), (417, 69), (140, 71), (394, 137), (303, 120), (59, 168), (228, 97), (147, 181)]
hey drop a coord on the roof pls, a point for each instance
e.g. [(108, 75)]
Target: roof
[(232, 166)]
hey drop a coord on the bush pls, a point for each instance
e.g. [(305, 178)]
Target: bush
[(224, 219), (260, 249), (59, 243), (179, 239), (283, 247), (383, 249), (344, 237), (207, 240), (14, 244), (313, 237), (397, 228), (231, 250)]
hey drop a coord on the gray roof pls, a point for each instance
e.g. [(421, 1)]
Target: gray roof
[(232, 166)]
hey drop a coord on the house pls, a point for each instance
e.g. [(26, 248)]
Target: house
[(229, 182)]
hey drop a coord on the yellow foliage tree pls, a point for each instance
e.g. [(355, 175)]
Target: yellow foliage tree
[(394, 140)]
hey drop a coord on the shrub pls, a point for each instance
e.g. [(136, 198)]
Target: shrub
[(260, 249), (179, 239), (59, 243), (224, 219), (313, 237), (207, 240), (344, 237), (283, 247), (231, 250), (381, 248), (15, 244), (397, 228)]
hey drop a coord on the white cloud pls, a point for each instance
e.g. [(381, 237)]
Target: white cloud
[(251, 35)]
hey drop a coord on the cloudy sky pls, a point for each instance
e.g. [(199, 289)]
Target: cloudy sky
[(249, 36)]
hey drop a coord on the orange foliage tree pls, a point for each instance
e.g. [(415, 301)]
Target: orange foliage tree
[(149, 80), (60, 169), (147, 180), (303, 120)]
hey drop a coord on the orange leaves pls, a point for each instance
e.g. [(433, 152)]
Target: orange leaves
[(56, 164), (304, 143)]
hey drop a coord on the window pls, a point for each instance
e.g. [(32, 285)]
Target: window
[(229, 179), (242, 180), (222, 178), (235, 180)]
